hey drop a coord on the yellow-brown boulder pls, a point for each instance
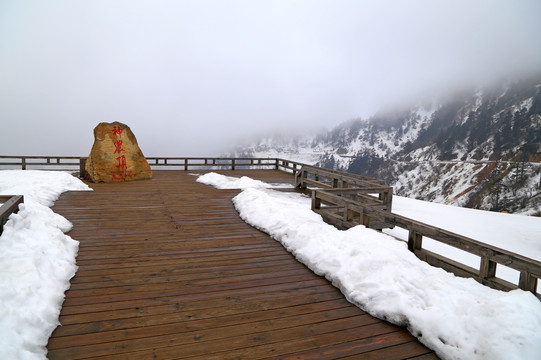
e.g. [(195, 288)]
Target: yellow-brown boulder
[(115, 155)]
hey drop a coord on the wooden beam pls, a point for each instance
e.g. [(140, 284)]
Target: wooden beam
[(10, 206)]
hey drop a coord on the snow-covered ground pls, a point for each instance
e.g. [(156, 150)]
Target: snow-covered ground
[(457, 317), (230, 182), (37, 260)]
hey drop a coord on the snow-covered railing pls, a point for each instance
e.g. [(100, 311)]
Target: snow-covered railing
[(9, 204), (346, 212)]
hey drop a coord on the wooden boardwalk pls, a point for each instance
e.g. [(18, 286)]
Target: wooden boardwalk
[(168, 270)]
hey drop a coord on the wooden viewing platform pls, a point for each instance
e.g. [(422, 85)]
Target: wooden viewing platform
[(168, 270)]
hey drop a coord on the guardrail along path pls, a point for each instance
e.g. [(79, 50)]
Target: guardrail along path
[(168, 270)]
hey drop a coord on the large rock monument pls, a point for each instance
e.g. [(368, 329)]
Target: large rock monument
[(115, 155)]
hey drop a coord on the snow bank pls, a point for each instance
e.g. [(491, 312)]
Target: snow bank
[(36, 262), (458, 318), (230, 182)]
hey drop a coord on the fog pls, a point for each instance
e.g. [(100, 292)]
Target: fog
[(193, 77)]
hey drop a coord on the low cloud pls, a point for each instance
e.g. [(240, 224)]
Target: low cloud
[(191, 77)]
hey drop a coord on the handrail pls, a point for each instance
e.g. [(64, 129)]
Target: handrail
[(351, 189), (354, 179), (9, 204), (188, 163), (346, 213), (39, 162), (161, 162), (185, 163)]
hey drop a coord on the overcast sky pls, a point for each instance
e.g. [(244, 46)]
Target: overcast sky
[(191, 77)]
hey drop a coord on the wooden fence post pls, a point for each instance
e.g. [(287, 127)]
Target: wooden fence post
[(415, 240), (487, 269), (82, 167), (299, 179), (366, 220), (316, 203), (527, 282), (361, 216), (389, 199)]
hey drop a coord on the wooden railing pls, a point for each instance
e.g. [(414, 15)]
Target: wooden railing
[(41, 162), (9, 204), (320, 177), (192, 163), (346, 196), (337, 207), (75, 163), (344, 200)]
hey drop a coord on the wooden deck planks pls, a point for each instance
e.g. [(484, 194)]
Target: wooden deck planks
[(167, 270)]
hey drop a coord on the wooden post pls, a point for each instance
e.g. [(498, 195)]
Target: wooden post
[(487, 269), (415, 241), (299, 179), (389, 199), (316, 203), (233, 164), (82, 167), (23, 163), (350, 214), (527, 282), (366, 220)]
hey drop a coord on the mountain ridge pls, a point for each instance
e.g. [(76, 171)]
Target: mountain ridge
[(477, 148)]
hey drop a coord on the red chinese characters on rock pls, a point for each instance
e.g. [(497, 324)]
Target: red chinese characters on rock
[(117, 130), (121, 173), (121, 162), (118, 147)]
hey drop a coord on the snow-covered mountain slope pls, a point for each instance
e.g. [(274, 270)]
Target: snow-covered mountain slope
[(478, 148)]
